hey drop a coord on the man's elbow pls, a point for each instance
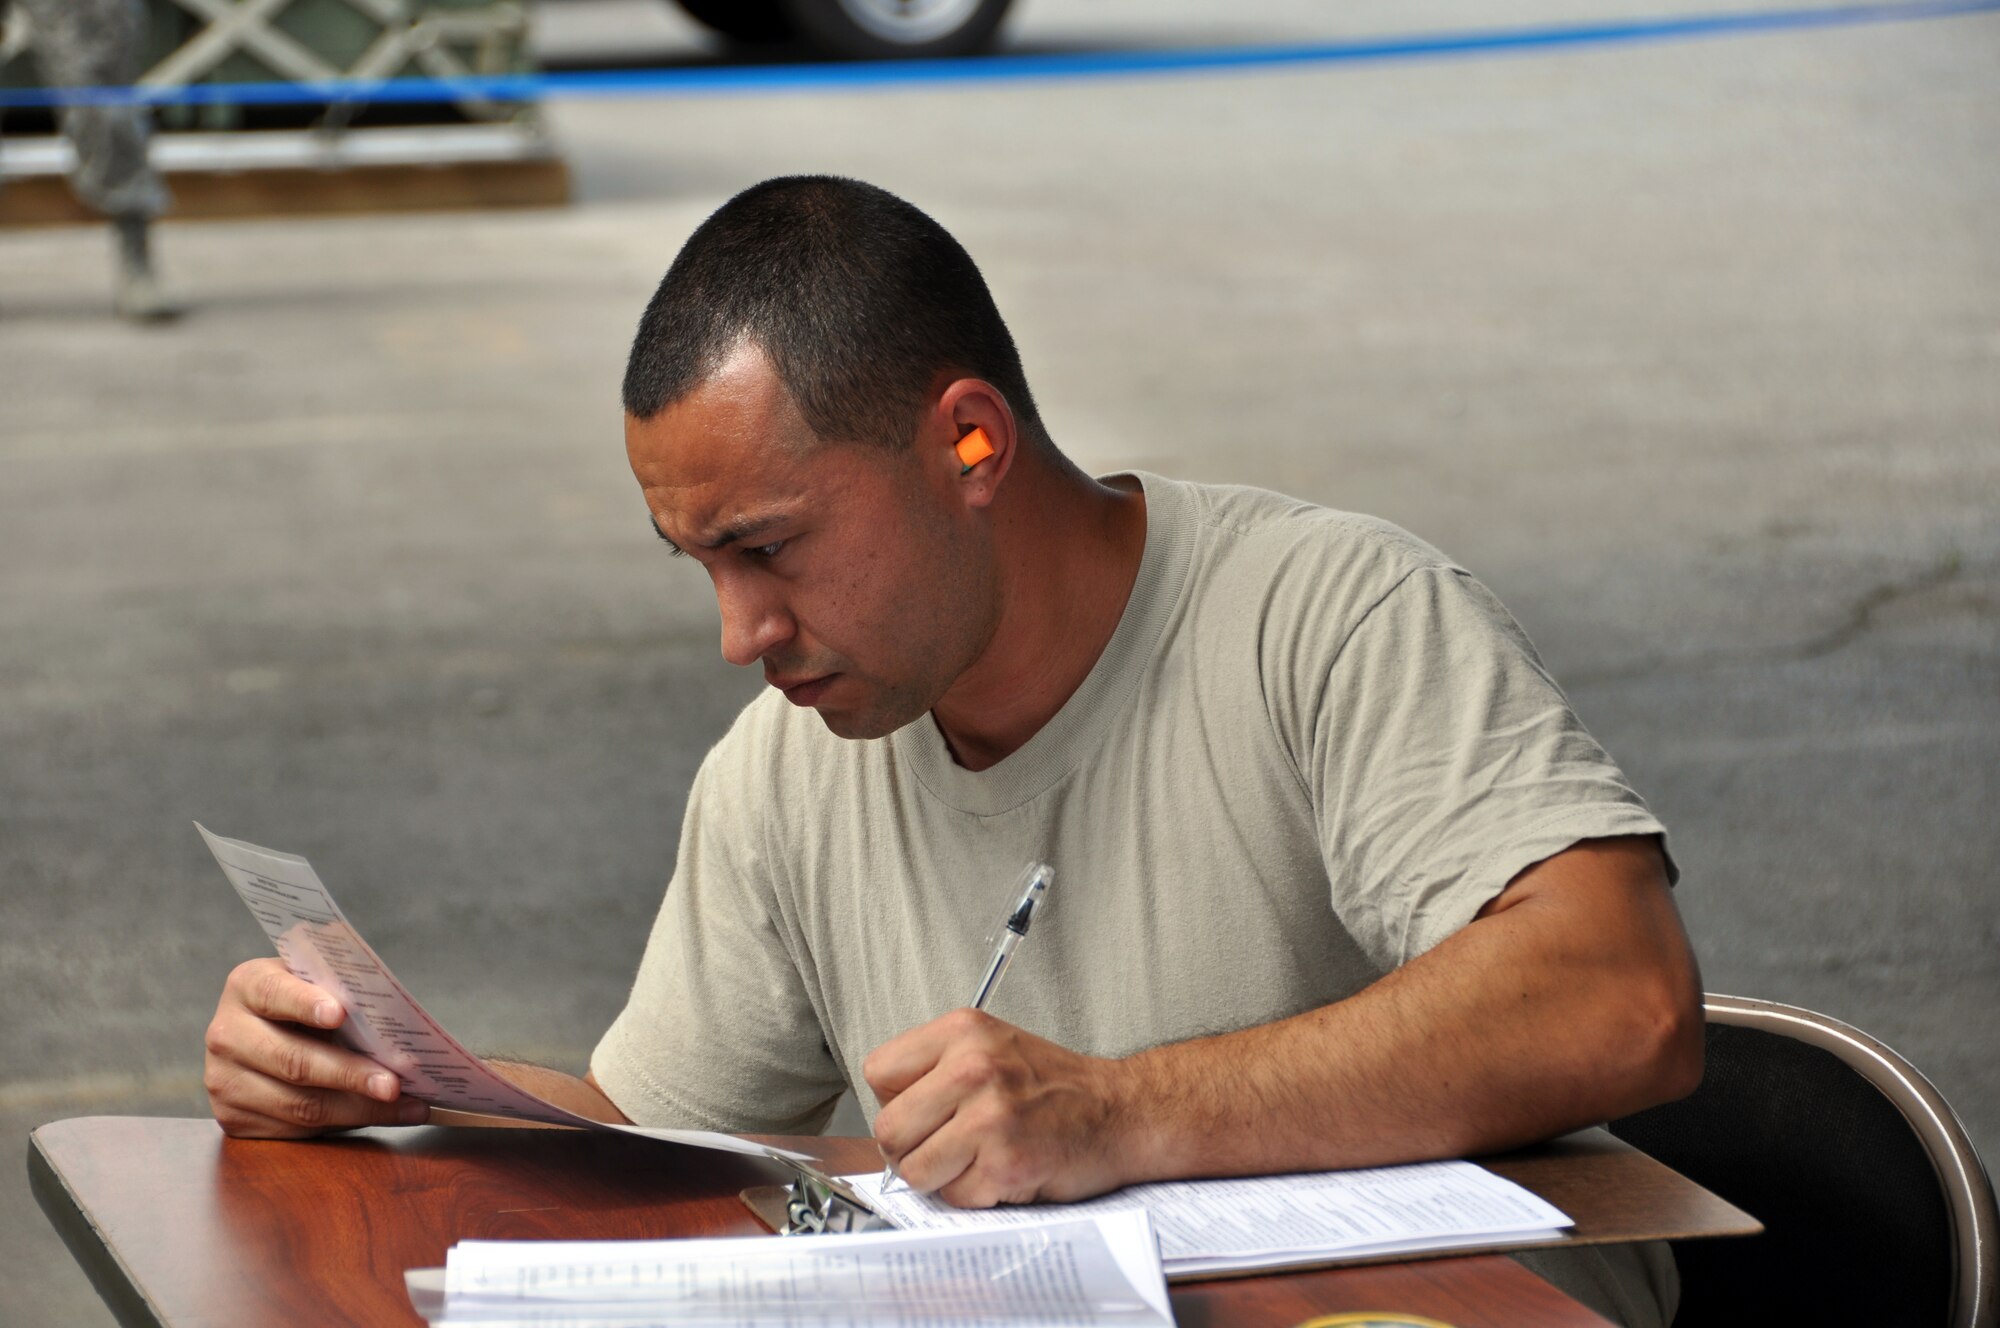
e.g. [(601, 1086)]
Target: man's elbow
[(1667, 1033)]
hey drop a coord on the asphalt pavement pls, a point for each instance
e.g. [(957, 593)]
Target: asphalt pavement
[(1690, 349)]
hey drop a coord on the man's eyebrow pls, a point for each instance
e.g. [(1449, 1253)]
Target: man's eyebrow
[(740, 533), (672, 547)]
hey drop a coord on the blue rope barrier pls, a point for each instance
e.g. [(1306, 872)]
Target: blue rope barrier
[(725, 80)]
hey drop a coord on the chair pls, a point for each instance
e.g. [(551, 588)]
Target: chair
[(1875, 1206)]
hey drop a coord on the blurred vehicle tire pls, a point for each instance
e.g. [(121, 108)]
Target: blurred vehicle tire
[(754, 21), (893, 29)]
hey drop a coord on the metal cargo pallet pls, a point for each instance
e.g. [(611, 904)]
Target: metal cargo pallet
[(311, 152), (276, 172)]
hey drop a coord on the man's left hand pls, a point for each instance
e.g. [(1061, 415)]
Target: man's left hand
[(981, 1113)]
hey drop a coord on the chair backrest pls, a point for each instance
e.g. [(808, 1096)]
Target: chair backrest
[(1875, 1206)]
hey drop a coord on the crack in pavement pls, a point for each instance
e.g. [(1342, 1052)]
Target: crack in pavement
[(1860, 617)]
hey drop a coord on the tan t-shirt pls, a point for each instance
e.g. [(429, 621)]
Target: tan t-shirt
[(1312, 749)]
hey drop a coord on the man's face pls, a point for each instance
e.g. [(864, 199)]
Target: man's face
[(852, 573)]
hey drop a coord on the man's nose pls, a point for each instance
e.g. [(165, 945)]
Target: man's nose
[(753, 623)]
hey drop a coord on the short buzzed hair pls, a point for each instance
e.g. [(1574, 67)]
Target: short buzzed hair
[(859, 300)]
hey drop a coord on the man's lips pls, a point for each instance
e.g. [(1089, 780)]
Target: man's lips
[(803, 691)]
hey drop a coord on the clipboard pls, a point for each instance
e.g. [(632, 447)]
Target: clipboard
[(1614, 1193)]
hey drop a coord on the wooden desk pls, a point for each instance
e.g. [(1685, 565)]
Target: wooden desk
[(177, 1225)]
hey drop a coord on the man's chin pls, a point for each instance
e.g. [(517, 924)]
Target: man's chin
[(867, 722), (848, 724)]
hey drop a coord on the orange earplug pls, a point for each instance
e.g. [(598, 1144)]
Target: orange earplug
[(973, 449)]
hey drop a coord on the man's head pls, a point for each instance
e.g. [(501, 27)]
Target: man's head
[(861, 302), (792, 401)]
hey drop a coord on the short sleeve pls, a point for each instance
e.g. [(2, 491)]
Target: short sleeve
[(719, 1032), (1445, 761)]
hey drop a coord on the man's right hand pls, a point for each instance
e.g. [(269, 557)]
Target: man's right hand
[(273, 1071)]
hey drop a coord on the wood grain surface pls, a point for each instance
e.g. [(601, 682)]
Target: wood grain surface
[(304, 191), (181, 1226)]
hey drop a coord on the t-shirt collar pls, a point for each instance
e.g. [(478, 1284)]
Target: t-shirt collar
[(1081, 725)]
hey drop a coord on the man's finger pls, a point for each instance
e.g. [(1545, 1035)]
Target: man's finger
[(902, 1060), (921, 1110), (268, 989), (940, 1159), (252, 1105), (310, 1062)]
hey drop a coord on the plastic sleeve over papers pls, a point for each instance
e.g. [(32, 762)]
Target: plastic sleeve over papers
[(1103, 1270)]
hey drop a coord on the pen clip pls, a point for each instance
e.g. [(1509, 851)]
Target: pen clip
[(1031, 890)]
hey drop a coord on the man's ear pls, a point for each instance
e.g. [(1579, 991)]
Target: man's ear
[(975, 440)]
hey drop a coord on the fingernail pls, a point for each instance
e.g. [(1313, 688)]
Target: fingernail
[(382, 1084), (326, 1014), (410, 1111)]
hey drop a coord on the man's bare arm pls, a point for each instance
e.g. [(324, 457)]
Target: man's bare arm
[(1572, 998), (580, 1096)]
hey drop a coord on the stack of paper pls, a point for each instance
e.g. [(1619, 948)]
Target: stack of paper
[(1103, 1270), (1227, 1226)]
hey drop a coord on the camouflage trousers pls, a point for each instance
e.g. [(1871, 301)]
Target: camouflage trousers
[(96, 43)]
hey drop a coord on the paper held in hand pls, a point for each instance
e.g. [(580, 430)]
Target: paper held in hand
[(384, 1022), (1260, 1223), (1103, 1270)]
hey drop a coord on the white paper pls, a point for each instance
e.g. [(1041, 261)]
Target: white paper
[(384, 1022), (1208, 1226), (1104, 1270)]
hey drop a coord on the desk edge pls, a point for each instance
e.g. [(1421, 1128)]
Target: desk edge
[(106, 1272)]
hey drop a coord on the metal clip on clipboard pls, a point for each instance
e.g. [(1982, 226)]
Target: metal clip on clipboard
[(814, 1204)]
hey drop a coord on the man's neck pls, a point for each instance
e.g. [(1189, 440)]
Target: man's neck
[(1069, 549)]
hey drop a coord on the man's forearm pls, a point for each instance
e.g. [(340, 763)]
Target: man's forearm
[(1573, 999), (581, 1096)]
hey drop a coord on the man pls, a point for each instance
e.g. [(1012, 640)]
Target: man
[(94, 44), (1340, 879)]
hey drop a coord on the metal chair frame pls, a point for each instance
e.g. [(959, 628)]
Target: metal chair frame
[(1968, 1190)]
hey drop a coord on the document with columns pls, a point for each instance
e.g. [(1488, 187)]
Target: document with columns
[(1270, 1222), (384, 1022)]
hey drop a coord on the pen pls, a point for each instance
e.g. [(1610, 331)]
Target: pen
[(1012, 931)]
